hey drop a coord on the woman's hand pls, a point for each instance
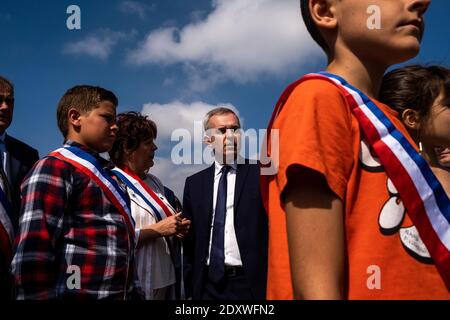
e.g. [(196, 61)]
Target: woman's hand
[(183, 228), (169, 226)]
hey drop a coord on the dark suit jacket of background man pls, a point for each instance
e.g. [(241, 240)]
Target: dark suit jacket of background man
[(21, 159), (250, 223)]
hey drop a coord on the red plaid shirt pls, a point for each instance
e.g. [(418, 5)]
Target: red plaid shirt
[(68, 224)]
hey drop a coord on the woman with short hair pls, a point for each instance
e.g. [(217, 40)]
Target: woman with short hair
[(157, 220)]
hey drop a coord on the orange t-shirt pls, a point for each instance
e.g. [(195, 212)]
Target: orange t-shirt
[(386, 258)]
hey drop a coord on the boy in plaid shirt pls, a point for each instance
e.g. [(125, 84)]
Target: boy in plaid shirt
[(74, 241)]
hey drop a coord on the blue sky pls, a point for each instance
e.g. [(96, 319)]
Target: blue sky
[(177, 58)]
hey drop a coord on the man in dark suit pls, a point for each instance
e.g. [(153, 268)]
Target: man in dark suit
[(16, 159), (225, 251)]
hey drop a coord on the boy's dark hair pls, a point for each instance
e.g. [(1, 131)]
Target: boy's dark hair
[(6, 85), (82, 98), (311, 26), (134, 128), (415, 87)]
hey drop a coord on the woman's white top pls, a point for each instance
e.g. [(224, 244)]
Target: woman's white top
[(154, 264)]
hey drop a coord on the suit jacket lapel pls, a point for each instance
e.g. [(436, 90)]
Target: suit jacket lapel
[(14, 163), (241, 176), (208, 189)]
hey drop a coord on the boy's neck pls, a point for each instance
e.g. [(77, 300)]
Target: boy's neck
[(77, 139), (363, 75)]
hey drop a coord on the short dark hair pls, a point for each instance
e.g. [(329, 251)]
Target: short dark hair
[(415, 87), (311, 26), (6, 85), (83, 98), (134, 128)]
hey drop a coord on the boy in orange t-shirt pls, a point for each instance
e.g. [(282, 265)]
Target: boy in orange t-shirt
[(337, 226)]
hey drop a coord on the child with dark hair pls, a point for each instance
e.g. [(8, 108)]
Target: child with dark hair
[(335, 228), (76, 235), (421, 96)]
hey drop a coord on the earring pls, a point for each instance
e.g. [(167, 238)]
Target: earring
[(420, 142)]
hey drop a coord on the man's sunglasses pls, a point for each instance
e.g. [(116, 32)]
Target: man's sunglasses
[(8, 100)]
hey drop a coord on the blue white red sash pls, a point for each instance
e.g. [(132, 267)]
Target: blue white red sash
[(90, 166), (426, 202), (6, 217), (161, 208)]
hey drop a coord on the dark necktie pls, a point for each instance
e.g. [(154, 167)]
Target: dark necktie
[(217, 256)]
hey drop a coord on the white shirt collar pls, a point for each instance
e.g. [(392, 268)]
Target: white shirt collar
[(218, 166)]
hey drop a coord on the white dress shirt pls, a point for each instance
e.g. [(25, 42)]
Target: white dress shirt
[(231, 248), (4, 155), (4, 158)]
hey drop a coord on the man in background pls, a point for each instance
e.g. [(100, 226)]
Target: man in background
[(225, 250), (16, 159)]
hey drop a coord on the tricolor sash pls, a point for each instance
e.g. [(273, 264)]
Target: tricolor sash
[(161, 208), (426, 202), (90, 166)]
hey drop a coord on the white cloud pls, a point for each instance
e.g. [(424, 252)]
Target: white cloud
[(174, 176), (168, 118), (179, 115), (239, 39), (98, 45), (169, 81), (137, 8)]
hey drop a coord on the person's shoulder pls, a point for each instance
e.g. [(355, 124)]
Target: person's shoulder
[(18, 146), (317, 89), (314, 98), (49, 170), (252, 165), (154, 180), (200, 175), (52, 165)]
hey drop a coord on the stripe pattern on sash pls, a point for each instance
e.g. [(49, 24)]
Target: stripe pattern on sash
[(161, 209), (90, 166)]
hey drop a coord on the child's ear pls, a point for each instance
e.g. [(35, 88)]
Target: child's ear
[(74, 117), (411, 119), (322, 12)]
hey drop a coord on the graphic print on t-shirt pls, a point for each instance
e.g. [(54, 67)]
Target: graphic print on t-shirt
[(393, 212)]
